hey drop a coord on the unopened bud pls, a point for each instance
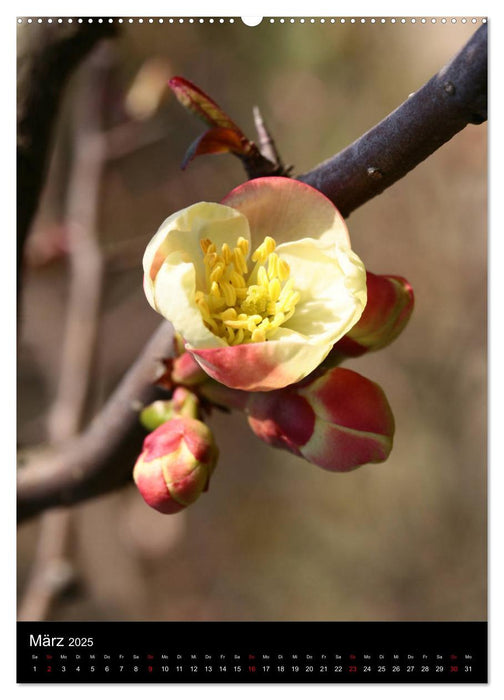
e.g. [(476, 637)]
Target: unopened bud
[(183, 403), (155, 414), (186, 371), (176, 463), (338, 421), (389, 306)]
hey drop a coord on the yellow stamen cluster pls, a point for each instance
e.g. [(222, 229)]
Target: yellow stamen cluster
[(241, 306)]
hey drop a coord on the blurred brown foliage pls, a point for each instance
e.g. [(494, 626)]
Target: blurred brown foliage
[(276, 538)]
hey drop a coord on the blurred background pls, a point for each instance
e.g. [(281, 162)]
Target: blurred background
[(275, 538)]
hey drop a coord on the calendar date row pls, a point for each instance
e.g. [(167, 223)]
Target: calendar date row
[(260, 668)]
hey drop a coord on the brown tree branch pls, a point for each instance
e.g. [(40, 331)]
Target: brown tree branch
[(452, 99), (86, 260), (52, 569), (48, 55), (101, 459)]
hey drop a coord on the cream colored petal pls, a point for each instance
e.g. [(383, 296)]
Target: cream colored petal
[(148, 287), (183, 231), (332, 284), (174, 290)]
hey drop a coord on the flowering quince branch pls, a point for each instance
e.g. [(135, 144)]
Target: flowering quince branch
[(91, 465), (262, 325)]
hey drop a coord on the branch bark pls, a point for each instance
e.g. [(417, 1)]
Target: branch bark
[(48, 57), (52, 569), (98, 460), (101, 458), (452, 99)]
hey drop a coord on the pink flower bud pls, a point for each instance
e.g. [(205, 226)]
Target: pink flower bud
[(388, 310), (338, 421), (175, 464), (187, 371)]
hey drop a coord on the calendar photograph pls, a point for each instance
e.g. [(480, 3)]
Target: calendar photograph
[(252, 349)]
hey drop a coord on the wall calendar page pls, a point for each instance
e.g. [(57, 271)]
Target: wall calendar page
[(252, 298)]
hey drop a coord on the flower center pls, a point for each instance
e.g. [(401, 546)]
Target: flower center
[(241, 306)]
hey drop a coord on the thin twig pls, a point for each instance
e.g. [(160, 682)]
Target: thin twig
[(102, 458), (265, 141)]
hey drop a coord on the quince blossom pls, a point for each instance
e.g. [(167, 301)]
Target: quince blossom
[(260, 286)]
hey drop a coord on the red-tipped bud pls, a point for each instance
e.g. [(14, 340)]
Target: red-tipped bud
[(338, 421), (175, 464), (388, 310), (186, 371)]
